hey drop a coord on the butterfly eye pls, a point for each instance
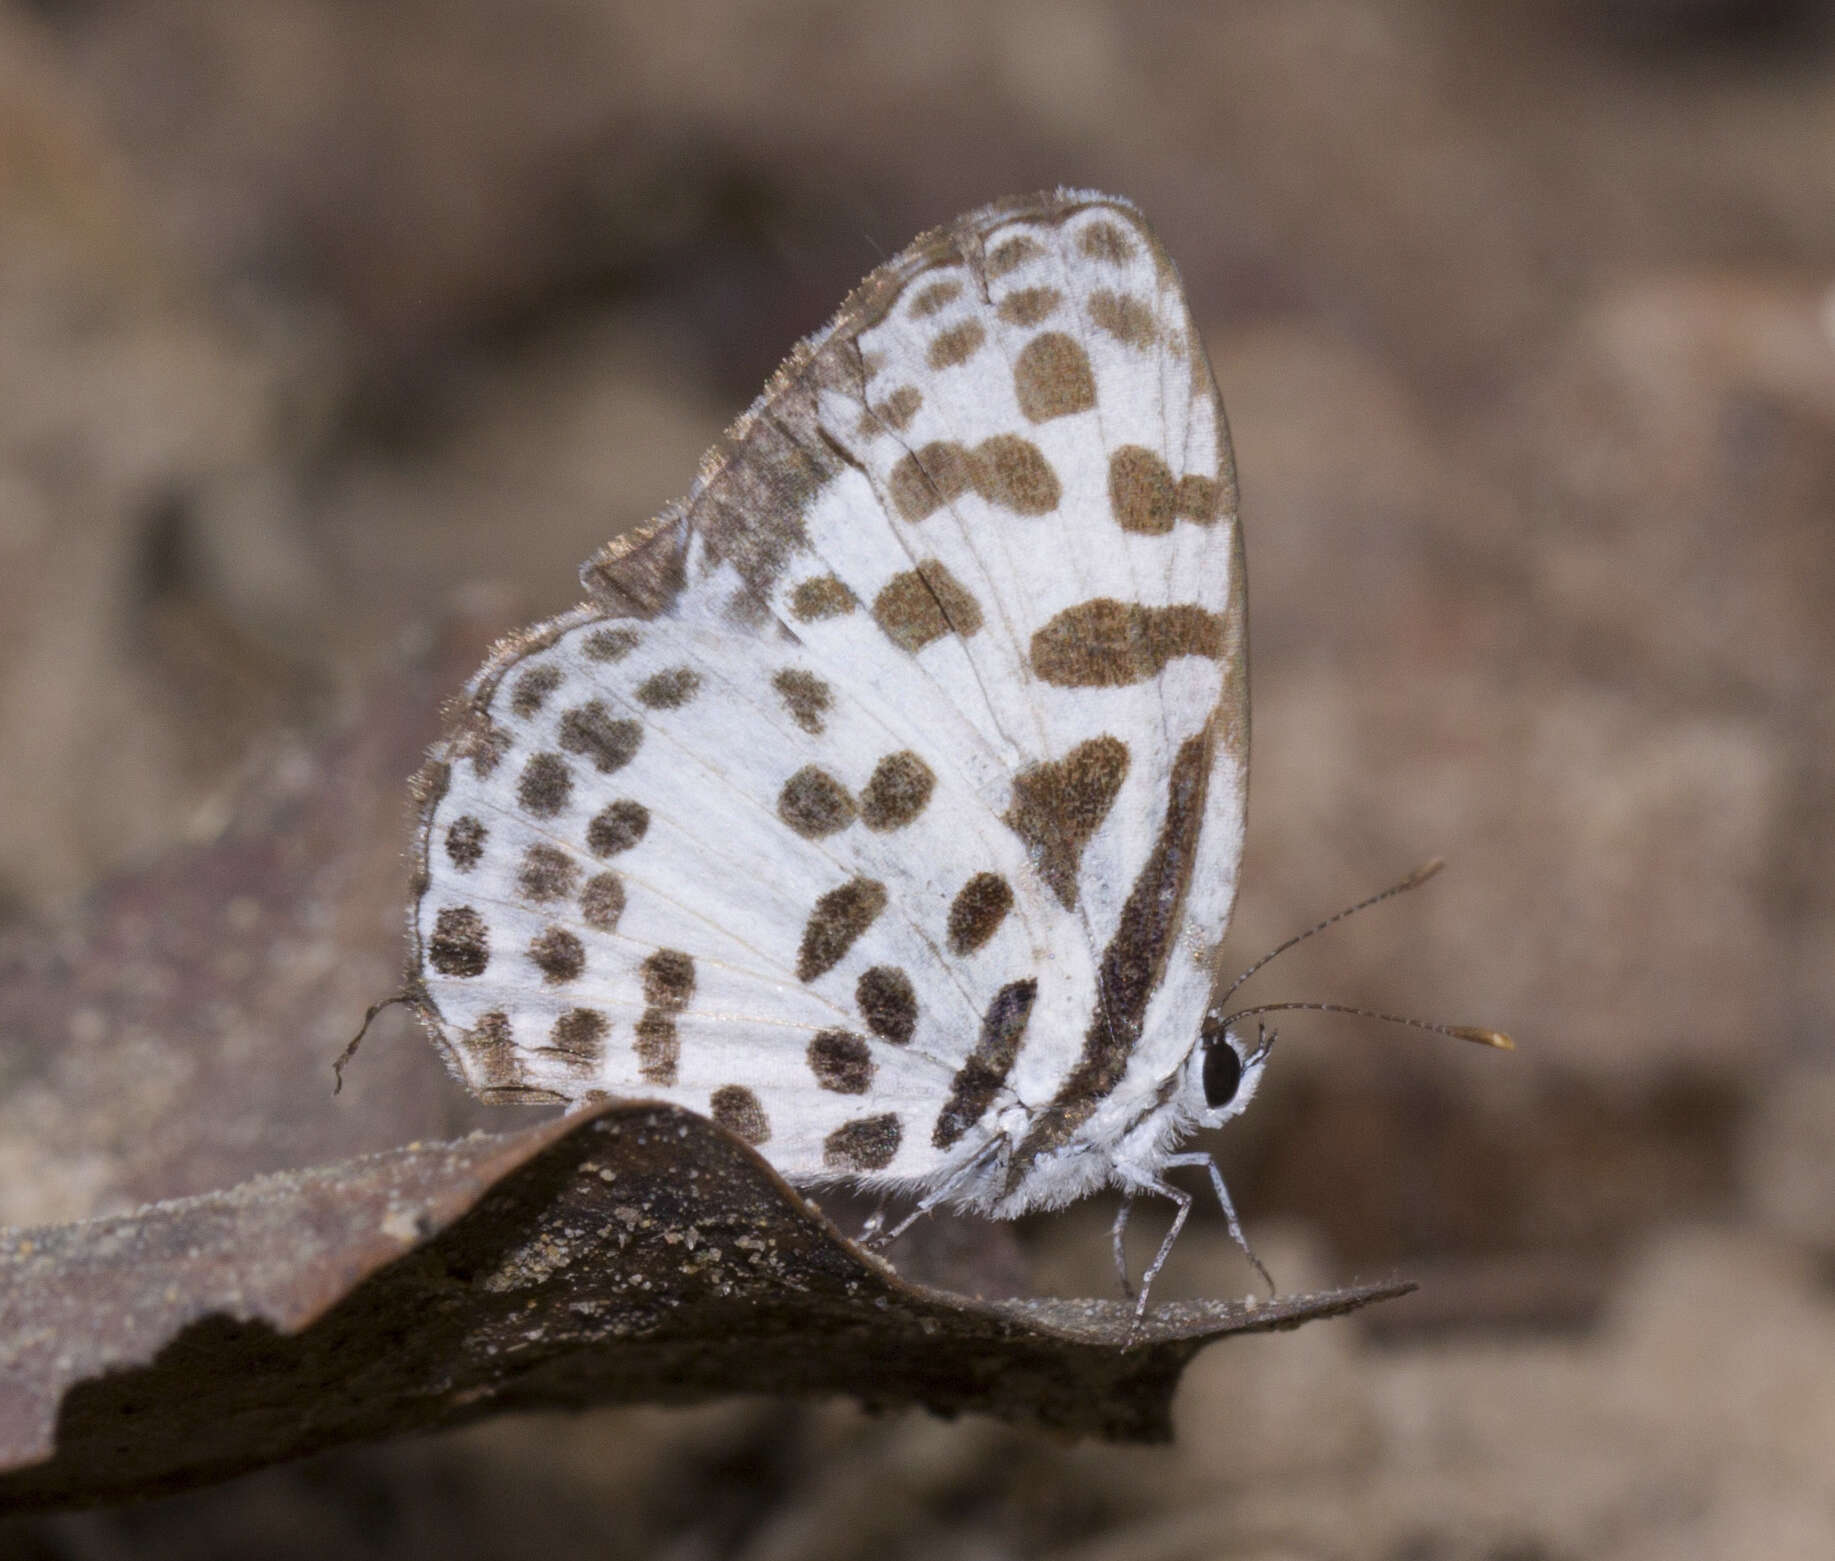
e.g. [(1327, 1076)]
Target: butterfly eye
[(1222, 1073)]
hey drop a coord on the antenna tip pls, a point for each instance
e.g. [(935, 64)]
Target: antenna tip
[(1493, 1038), (1424, 872)]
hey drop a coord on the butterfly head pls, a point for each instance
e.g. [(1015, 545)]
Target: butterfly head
[(1224, 1069)]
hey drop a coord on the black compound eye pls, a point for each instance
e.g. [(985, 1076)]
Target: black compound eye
[(1222, 1072)]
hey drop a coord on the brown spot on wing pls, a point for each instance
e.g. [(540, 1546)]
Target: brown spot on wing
[(1141, 491), (589, 729), (1134, 962), (617, 827), (1013, 473), (669, 983), (923, 604), (1059, 805), (669, 690), (491, 1044), (602, 902), (956, 345), (898, 791), (547, 873), (658, 1047), (841, 1061), (821, 596), (532, 690), (611, 644), (558, 954), (888, 1004), (1028, 306), (1009, 254), (1199, 498), (806, 697), (1146, 499), (924, 480), (836, 923), (461, 943), (465, 837), (544, 785), (1005, 470), (815, 804), (1052, 377), (737, 1110), (579, 1036), (980, 1078), (977, 911), (1104, 240), (1109, 644), (934, 298), (898, 408), (865, 1144), (669, 979), (1131, 321)]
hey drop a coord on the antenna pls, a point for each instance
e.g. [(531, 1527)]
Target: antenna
[(1480, 1037), (1459, 1032), (1413, 881)]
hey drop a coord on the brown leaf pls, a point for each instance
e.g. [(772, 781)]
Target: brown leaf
[(638, 1254)]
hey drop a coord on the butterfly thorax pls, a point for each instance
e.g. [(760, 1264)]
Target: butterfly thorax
[(1126, 1147)]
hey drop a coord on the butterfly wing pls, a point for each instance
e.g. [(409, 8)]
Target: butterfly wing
[(892, 785)]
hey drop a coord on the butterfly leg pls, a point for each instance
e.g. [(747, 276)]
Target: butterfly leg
[(878, 1239), (1181, 1197), (1229, 1212), (875, 1223), (1121, 1253)]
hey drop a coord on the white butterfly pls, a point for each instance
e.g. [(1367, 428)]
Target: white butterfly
[(885, 801)]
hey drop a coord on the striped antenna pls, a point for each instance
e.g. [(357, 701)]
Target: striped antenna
[(1480, 1037), (1459, 1032), (1413, 881)]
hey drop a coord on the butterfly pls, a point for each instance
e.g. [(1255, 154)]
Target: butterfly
[(885, 799)]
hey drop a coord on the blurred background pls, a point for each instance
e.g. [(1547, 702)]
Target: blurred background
[(333, 337)]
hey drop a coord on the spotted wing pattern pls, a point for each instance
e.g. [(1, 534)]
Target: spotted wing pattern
[(886, 798)]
